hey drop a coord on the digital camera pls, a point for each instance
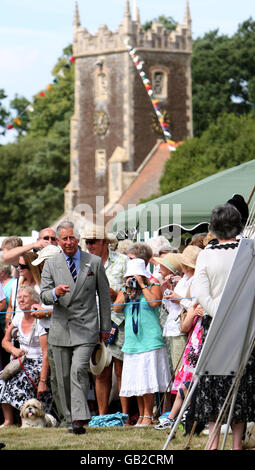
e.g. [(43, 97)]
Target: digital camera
[(132, 283)]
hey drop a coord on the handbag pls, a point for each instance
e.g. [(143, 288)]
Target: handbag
[(12, 368), (16, 364), (182, 316), (183, 313)]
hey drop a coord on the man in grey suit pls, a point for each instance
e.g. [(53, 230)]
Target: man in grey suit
[(73, 281)]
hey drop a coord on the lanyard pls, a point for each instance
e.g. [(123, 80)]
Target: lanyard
[(135, 307)]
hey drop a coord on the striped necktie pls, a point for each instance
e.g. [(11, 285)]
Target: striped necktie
[(72, 268)]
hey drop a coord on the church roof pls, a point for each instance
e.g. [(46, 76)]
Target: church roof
[(147, 181)]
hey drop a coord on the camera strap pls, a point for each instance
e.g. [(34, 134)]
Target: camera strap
[(135, 313)]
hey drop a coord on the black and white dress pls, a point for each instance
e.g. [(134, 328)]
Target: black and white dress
[(212, 268), (23, 385)]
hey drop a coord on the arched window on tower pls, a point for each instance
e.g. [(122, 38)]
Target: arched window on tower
[(159, 83), (101, 86)]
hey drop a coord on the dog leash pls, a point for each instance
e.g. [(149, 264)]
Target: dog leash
[(28, 376), (21, 364)]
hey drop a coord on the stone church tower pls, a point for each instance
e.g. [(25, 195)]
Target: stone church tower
[(114, 127)]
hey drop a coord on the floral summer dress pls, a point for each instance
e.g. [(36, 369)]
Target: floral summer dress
[(191, 355), (23, 385)]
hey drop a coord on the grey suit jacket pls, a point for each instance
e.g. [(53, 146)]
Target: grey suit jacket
[(77, 316)]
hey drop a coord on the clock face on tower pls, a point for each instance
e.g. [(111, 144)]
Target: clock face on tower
[(101, 122)]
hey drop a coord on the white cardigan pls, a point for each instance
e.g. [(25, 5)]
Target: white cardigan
[(212, 269)]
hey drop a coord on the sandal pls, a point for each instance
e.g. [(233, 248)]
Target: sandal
[(147, 424), (139, 424), (165, 423)]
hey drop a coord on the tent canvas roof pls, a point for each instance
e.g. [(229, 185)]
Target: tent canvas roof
[(192, 205)]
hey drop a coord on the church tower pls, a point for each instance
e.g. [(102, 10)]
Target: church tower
[(114, 126)]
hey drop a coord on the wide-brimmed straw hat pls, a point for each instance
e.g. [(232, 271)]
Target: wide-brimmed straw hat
[(171, 262), (101, 358), (189, 256), (45, 253), (97, 232), (136, 266), (94, 232)]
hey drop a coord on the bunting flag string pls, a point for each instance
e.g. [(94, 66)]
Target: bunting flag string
[(155, 102), (42, 94)]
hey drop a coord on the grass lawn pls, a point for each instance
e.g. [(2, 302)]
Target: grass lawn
[(111, 447), (112, 438)]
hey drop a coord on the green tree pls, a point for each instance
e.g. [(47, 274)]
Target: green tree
[(20, 104), (57, 103), (35, 168), (33, 173), (223, 70), (167, 21), (4, 114), (228, 142), (15, 185)]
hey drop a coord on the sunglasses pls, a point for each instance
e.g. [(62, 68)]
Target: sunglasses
[(53, 239), (91, 242), (23, 266)]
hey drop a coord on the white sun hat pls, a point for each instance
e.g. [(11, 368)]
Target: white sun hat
[(47, 252), (136, 266), (101, 358)]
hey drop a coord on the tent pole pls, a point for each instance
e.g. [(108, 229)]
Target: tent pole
[(221, 413), (234, 385), (171, 380), (232, 391), (229, 418), (180, 415), (250, 198), (237, 383)]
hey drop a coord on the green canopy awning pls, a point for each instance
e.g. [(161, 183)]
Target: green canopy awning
[(191, 206)]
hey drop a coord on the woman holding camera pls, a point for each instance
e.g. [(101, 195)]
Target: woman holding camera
[(145, 365)]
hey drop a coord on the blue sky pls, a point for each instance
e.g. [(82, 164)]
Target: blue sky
[(33, 33)]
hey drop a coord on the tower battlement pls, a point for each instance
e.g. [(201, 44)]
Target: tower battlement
[(156, 38)]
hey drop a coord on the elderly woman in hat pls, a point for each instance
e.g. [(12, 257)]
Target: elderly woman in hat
[(145, 366), (176, 264)]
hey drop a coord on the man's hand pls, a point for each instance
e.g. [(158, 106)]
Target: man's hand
[(40, 244), (61, 290), (104, 336)]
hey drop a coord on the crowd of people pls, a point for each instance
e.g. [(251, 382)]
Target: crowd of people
[(148, 304)]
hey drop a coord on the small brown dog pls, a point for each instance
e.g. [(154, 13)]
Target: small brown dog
[(33, 415)]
